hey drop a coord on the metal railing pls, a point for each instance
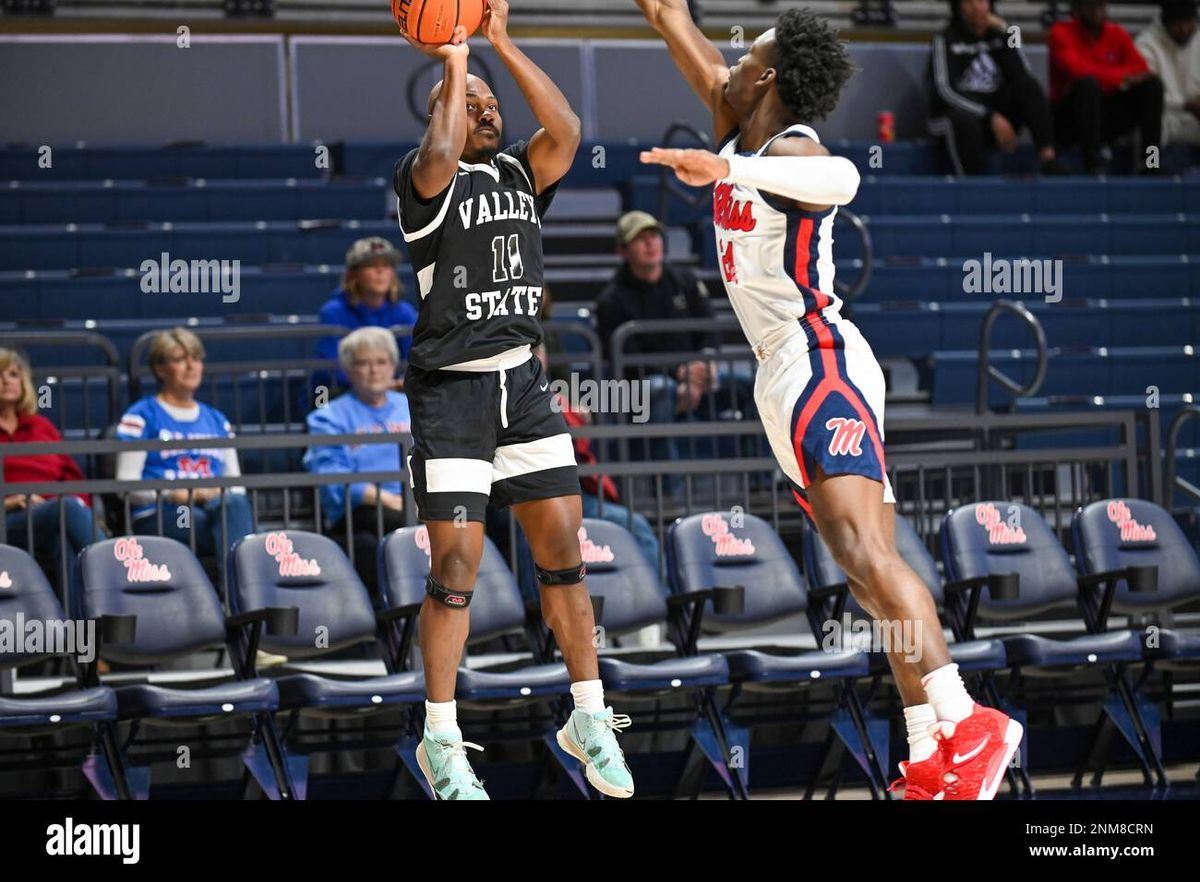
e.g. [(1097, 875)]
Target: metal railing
[(990, 372), (1173, 482)]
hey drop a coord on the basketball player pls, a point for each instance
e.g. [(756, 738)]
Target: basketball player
[(819, 390), (482, 422)]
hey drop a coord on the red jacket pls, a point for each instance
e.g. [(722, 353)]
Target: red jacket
[(1074, 54), (46, 467), (585, 455)]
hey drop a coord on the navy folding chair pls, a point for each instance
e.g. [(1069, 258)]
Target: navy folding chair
[(159, 589), (1009, 550), (716, 550), (310, 577), (26, 599), (497, 609), (830, 600), (627, 591), (1135, 560)]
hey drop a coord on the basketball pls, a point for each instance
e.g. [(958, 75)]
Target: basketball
[(433, 21)]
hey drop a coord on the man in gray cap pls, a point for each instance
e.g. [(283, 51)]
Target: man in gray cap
[(369, 296)]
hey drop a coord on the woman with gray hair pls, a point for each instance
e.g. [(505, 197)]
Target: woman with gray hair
[(368, 356)]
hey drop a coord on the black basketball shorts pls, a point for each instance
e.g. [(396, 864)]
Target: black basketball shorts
[(481, 435)]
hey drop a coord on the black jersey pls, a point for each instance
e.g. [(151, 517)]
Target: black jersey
[(476, 248)]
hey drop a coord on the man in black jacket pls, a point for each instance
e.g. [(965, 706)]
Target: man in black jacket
[(982, 90), (647, 287)]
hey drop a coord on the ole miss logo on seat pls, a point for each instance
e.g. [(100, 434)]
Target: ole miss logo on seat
[(593, 553), (1000, 532), (421, 539), (727, 544), (1131, 530), (5, 579), (280, 547), (137, 569), (847, 436)]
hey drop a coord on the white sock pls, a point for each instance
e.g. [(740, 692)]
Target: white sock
[(946, 692), (441, 717), (589, 696), (918, 719)]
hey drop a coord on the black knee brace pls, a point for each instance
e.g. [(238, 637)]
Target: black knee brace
[(569, 576), (448, 596)]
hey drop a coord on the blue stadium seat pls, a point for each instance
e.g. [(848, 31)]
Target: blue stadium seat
[(713, 550), (26, 597), (986, 545), (176, 613), (1111, 536), (633, 599), (309, 574)]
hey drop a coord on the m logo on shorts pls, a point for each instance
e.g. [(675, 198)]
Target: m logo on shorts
[(847, 436)]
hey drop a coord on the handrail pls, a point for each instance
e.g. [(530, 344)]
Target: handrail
[(988, 372), (1171, 481)]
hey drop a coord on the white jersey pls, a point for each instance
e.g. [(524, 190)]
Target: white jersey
[(819, 390), (776, 260)]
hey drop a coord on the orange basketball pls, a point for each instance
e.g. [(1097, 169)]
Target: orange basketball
[(433, 21)]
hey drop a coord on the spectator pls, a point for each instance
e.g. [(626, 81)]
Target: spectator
[(600, 497), (1172, 52), (177, 361), (21, 423), (368, 356), (646, 287), (1100, 86), (983, 91), (368, 297)]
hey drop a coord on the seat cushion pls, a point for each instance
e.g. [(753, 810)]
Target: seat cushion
[(1030, 650), (239, 696), (749, 665), (315, 691), (530, 682), (671, 673), (78, 706), (979, 655)]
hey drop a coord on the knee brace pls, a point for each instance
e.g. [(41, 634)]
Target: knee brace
[(569, 576), (448, 596)]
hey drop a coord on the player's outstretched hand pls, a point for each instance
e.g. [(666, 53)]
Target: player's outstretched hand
[(442, 51), (693, 167), (495, 20)]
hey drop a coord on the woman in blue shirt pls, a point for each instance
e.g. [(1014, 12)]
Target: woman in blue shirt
[(369, 357), (177, 360), (369, 297)]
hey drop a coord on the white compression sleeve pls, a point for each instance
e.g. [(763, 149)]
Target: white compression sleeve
[(821, 180)]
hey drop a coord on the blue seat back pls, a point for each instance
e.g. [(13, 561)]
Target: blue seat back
[(295, 568), (161, 582), (999, 537), (617, 571), (720, 549), (25, 596), (822, 570), (1116, 533), (496, 607)]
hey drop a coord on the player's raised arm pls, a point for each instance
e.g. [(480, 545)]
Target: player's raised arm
[(695, 56), (552, 148), (446, 134)]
